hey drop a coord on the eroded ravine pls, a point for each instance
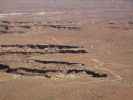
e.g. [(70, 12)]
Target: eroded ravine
[(16, 59), (47, 71)]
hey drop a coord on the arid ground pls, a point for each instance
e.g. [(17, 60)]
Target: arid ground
[(66, 50)]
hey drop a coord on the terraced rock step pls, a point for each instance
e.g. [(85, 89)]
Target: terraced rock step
[(68, 27), (50, 72), (58, 62), (40, 48), (23, 27)]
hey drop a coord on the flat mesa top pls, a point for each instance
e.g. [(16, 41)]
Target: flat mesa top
[(119, 9)]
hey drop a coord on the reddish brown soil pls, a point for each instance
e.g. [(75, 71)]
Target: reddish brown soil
[(104, 71)]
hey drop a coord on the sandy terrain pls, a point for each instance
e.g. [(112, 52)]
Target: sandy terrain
[(66, 54)]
